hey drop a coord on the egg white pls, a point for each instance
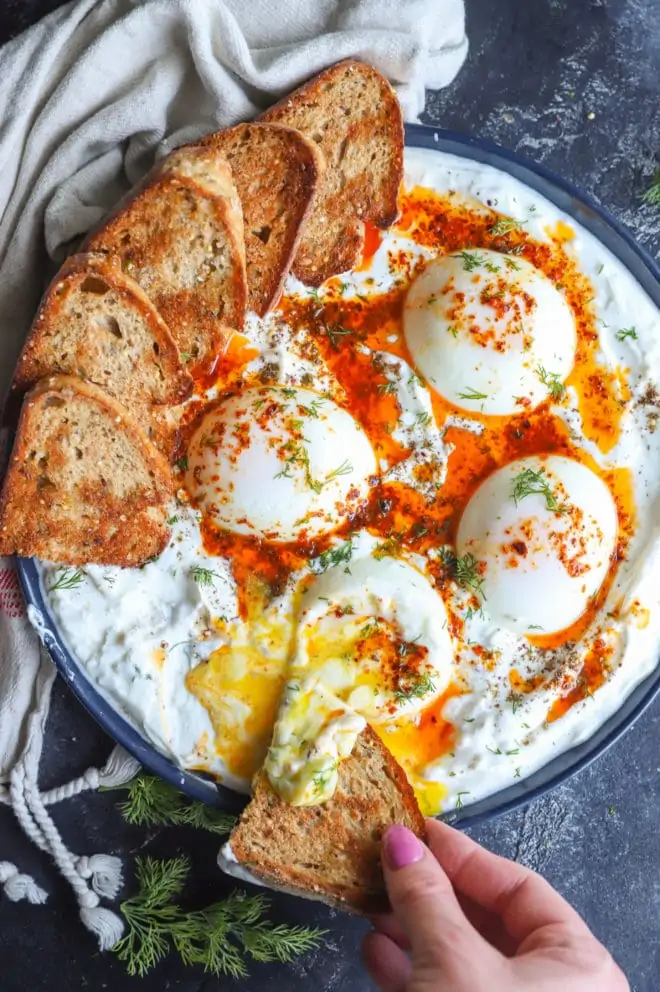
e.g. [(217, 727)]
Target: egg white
[(486, 329), (543, 555), (279, 463)]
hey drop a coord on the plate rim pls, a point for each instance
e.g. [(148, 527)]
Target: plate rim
[(606, 228)]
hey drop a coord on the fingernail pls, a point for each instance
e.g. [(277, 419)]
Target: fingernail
[(401, 847)]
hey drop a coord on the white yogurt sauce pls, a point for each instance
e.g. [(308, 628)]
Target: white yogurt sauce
[(137, 633)]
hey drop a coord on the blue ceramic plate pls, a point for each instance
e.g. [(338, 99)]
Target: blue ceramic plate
[(604, 227)]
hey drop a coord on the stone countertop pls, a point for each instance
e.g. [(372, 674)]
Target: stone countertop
[(576, 87)]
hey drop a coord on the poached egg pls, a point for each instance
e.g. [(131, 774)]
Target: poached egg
[(489, 331)]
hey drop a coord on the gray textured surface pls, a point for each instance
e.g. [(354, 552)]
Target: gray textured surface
[(537, 71)]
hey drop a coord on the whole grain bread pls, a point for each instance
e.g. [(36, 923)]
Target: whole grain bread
[(330, 852), (96, 323), (84, 484), (353, 114), (180, 236), (276, 170)]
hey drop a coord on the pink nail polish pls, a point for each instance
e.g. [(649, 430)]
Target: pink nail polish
[(401, 847)]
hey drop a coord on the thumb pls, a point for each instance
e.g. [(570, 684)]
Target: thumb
[(426, 906)]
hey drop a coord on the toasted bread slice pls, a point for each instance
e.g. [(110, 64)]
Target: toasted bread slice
[(180, 236), (329, 852), (84, 484), (353, 114), (96, 323), (276, 171)]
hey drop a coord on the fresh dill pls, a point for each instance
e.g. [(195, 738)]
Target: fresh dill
[(453, 330), (468, 574), (185, 356), (535, 483), (415, 379), (498, 750), (517, 772), (370, 627), (314, 409), (335, 332), (552, 380), (471, 260), (511, 264), (218, 938), (203, 576), (472, 394), (68, 578), (389, 548), (652, 194), (152, 802), (182, 463), (414, 687), (332, 557), (387, 388), (516, 702), (492, 267), (344, 469), (459, 800), (172, 520), (626, 332), (422, 419), (289, 392), (505, 225), (321, 779)]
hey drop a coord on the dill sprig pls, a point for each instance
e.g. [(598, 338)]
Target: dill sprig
[(344, 469), (335, 332), (313, 410), (552, 381), (414, 686), (652, 194), (333, 556), (468, 574), (472, 394), (203, 576), (471, 260), (505, 225), (531, 483), (152, 802), (218, 938), (68, 578), (626, 332), (387, 388)]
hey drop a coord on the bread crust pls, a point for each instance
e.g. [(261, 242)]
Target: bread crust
[(71, 492), (277, 171), (86, 326), (353, 114), (179, 234)]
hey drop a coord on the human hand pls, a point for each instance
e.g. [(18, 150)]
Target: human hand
[(474, 921)]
